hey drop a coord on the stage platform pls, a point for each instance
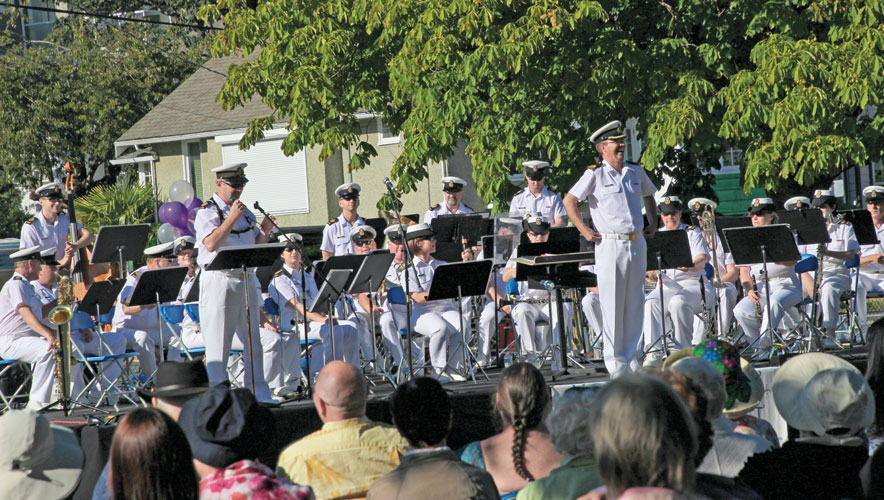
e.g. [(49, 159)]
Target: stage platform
[(472, 404)]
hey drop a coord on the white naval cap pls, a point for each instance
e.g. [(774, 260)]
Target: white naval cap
[(822, 197), (797, 202), (183, 243), (421, 230), (360, 233), (700, 204), (231, 172), (759, 204), (535, 222), (48, 257), (348, 190), (394, 232), (669, 204), (873, 193), (53, 188), (29, 253), (292, 240), (612, 130), (452, 184), (161, 250), (535, 169)]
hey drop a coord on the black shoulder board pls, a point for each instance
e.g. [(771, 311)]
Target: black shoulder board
[(843, 221), (434, 207), (31, 220), (691, 228), (207, 203), (17, 278), (592, 167), (277, 273), (332, 221), (520, 191)]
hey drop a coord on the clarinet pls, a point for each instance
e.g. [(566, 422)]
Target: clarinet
[(757, 304)]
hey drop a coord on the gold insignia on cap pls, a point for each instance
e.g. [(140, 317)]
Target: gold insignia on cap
[(696, 205), (799, 204), (451, 184), (873, 194), (756, 202), (819, 194), (350, 189), (667, 200), (362, 232), (538, 221)]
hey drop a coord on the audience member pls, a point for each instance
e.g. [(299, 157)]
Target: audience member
[(875, 378), (522, 452), (150, 459), (569, 431), (227, 430), (729, 449), (645, 440), (430, 470), (38, 461), (830, 403), (741, 412), (350, 452), (175, 384)]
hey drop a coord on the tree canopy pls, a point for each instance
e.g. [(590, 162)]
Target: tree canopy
[(793, 83), (70, 97)]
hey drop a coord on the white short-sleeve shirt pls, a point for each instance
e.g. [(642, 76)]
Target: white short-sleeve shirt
[(698, 248), (336, 236), (419, 280), (145, 320), (17, 291), (209, 217), (548, 203), (876, 249), (615, 198), (38, 232), (285, 287), (842, 239), (442, 209)]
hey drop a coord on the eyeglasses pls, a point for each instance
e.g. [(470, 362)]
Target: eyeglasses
[(349, 197), (362, 243), (235, 184)]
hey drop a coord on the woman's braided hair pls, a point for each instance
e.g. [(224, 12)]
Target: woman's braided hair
[(523, 399)]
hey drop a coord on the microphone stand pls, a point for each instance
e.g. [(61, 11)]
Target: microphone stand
[(408, 262)]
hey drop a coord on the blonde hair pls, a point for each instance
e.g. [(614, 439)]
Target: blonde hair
[(643, 435)]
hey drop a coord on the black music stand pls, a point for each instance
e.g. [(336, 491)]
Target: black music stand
[(807, 224), (243, 258), (455, 281), (100, 298), (120, 243), (452, 229), (763, 244), (726, 222), (667, 250), (193, 295), (154, 287), (367, 280), (335, 281), (863, 226)]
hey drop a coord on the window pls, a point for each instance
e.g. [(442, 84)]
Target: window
[(877, 173), (385, 135), (732, 157), (193, 172), (144, 177)]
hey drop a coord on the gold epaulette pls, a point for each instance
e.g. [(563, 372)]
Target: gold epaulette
[(691, 228), (207, 203), (17, 278), (434, 207), (519, 192), (332, 221), (31, 220), (592, 167)]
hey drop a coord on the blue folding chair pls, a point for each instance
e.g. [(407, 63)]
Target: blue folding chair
[(95, 362)]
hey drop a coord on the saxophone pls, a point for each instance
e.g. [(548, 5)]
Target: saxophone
[(61, 316)]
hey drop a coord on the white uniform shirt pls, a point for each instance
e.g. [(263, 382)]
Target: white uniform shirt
[(876, 249), (186, 285), (336, 235), (419, 280), (44, 293), (615, 199), (698, 248), (145, 320), (548, 203), (842, 239), (286, 286), (774, 270), (38, 232), (17, 291), (207, 220), (442, 209), (724, 258)]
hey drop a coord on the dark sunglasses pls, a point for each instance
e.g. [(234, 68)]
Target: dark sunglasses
[(235, 184), (362, 243), (349, 197)]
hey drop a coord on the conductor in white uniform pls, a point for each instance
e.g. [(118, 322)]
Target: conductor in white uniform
[(615, 191), (224, 221)]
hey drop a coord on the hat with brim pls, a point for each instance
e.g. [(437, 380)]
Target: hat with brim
[(453, 184), (535, 169), (38, 461), (293, 241), (30, 253), (612, 130), (823, 197), (360, 233), (225, 425), (761, 205), (177, 380), (53, 189), (47, 256), (669, 205), (535, 223), (797, 203), (394, 233), (726, 359), (698, 205), (741, 408), (231, 173), (183, 243), (160, 251), (873, 193), (348, 191), (416, 231), (819, 392)]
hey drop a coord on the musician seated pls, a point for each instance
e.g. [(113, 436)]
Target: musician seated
[(533, 305), (446, 343), (87, 342), (287, 289), (871, 271), (140, 324), (50, 227), (785, 292), (495, 307), (682, 288), (842, 246), (363, 239)]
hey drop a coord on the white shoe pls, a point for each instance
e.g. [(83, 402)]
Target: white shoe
[(653, 361), (440, 377), (455, 376), (36, 405)]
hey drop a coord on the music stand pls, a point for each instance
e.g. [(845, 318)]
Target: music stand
[(808, 225), (763, 244), (863, 226), (100, 298), (335, 281), (454, 281), (120, 243), (367, 280), (243, 258), (450, 231), (727, 222), (667, 250), (156, 286)]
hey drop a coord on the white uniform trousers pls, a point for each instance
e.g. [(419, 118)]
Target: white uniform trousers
[(868, 282), (392, 322), (36, 350), (346, 343), (831, 288), (223, 316), (620, 268), (443, 330), (592, 310), (727, 299), (145, 344), (108, 343), (682, 301), (366, 338), (487, 328), (784, 294), (525, 318)]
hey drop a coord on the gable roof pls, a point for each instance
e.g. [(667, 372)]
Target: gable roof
[(191, 109)]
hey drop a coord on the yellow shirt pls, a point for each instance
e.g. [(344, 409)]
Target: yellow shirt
[(344, 458)]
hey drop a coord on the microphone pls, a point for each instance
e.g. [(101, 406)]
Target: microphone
[(257, 207), (389, 185)]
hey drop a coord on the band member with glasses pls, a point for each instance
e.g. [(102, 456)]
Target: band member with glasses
[(537, 197), (336, 234), (363, 238), (871, 270), (452, 190), (50, 227)]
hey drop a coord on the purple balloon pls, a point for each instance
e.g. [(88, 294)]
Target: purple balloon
[(187, 231), (191, 215), (172, 212), (192, 203)]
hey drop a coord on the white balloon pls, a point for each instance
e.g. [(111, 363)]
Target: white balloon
[(180, 191), (167, 232)]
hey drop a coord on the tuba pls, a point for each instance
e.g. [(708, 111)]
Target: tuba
[(61, 316)]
